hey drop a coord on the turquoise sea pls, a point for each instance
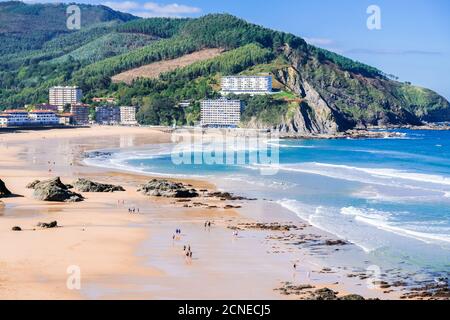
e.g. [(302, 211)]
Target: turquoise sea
[(390, 197)]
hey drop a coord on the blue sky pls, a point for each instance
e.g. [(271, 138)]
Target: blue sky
[(413, 42)]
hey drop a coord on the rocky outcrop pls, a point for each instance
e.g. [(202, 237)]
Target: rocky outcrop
[(55, 190), (334, 98), (85, 185), (4, 192), (49, 225), (31, 185), (164, 188)]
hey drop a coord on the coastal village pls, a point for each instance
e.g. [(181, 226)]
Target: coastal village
[(65, 107)]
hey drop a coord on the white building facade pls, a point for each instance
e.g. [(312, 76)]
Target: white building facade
[(128, 115), (247, 85), (61, 96), (220, 113), (16, 118), (23, 118), (43, 118)]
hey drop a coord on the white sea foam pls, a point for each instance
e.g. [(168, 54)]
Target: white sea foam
[(381, 221), (313, 215), (393, 173), (347, 173)]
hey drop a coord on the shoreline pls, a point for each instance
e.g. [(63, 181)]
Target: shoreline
[(144, 257)]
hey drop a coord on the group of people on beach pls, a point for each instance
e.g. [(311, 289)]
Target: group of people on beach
[(177, 235), (188, 253), (133, 210)]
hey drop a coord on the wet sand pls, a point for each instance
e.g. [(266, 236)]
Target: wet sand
[(134, 256)]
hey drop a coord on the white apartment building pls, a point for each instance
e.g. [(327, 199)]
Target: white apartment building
[(43, 118), (220, 113), (21, 118), (247, 85), (128, 115), (61, 96), (15, 118)]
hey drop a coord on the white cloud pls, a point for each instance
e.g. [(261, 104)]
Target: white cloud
[(122, 6), (152, 9), (171, 9)]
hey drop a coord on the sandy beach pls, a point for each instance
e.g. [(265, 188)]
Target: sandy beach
[(134, 256)]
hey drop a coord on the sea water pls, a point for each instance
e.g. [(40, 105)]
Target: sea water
[(390, 197)]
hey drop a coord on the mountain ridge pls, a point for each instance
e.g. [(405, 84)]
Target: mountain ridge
[(323, 91)]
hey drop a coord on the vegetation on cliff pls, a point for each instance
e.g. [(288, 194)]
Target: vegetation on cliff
[(320, 91)]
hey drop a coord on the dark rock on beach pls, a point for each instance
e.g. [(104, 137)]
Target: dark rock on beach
[(324, 294), (168, 189), (269, 226), (16, 228), (224, 196), (55, 190), (85, 185), (49, 225), (4, 192), (352, 297), (335, 242), (33, 184)]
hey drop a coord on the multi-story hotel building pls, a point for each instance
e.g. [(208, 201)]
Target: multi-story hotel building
[(107, 115), (62, 96), (247, 85), (128, 115), (80, 113), (220, 113), (43, 118)]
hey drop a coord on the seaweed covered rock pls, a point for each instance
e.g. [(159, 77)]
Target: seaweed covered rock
[(55, 190), (164, 188), (48, 225), (352, 297), (31, 185), (85, 185), (4, 192)]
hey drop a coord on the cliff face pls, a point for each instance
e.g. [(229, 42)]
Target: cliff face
[(334, 100)]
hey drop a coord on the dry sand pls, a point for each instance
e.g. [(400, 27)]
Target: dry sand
[(122, 255)]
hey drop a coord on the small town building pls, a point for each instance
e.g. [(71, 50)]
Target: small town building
[(252, 85), (80, 113), (107, 115), (221, 113), (61, 96), (128, 115), (43, 118)]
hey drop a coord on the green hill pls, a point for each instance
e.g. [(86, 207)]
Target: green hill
[(321, 92)]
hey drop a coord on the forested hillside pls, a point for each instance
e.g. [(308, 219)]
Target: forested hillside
[(320, 91)]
